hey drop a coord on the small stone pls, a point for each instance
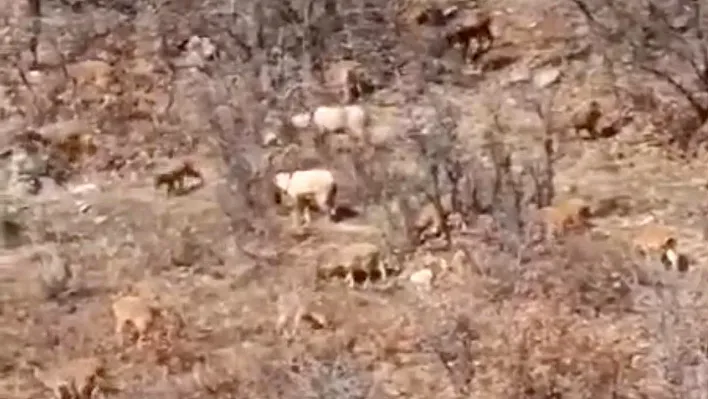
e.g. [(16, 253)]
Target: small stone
[(270, 139), (546, 77), (84, 188), (519, 75), (422, 278)]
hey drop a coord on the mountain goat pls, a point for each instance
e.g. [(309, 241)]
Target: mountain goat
[(428, 221), (146, 316), (358, 257), (71, 140), (92, 72), (472, 26), (566, 215), (587, 117), (654, 239), (351, 118), (303, 187), (173, 176), (136, 311)]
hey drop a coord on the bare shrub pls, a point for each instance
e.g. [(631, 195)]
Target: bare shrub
[(430, 163), (439, 157), (34, 12), (537, 355), (543, 172), (453, 340), (339, 378), (555, 303), (54, 274)]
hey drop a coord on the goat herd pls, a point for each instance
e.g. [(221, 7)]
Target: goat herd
[(303, 190)]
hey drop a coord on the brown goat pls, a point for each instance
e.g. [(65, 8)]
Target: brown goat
[(614, 125), (655, 239), (357, 257), (431, 15), (428, 221), (571, 214), (477, 27), (136, 311), (173, 176), (587, 118)]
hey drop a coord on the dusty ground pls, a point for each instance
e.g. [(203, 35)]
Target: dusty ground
[(565, 320)]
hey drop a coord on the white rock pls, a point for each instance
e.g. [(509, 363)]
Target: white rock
[(518, 75), (458, 261), (422, 278), (84, 188), (270, 138), (193, 59), (429, 260), (546, 77), (208, 48), (301, 120)]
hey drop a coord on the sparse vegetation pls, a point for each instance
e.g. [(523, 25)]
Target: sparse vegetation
[(664, 42), (474, 250)]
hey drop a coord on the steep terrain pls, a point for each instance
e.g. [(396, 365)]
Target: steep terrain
[(505, 315)]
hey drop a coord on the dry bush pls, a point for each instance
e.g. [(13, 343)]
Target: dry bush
[(567, 320), (561, 321), (296, 373), (545, 350), (54, 274), (337, 377), (428, 161)]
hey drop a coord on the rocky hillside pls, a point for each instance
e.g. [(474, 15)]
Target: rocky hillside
[(516, 192)]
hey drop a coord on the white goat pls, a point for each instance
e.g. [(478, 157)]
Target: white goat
[(303, 187), (352, 118)]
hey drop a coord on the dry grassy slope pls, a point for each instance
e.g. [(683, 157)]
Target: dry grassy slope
[(126, 238), (125, 233), (124, 222), (671, 192), (626, 165)]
